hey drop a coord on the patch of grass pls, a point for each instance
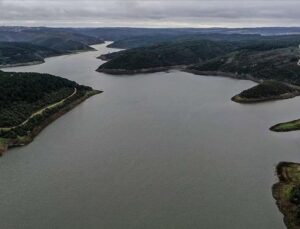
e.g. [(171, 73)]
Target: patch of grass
[(287, 191), (3, 144), (3, 141)]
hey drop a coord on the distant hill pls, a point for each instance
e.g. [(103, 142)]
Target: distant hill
[(166, 55), (90, 35), (243, 40), (61, 44), (114, 34), (21, 45), (12, 53), (150, 40), (30, 34)]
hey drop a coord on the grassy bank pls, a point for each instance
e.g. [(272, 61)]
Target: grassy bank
[(286, 126)]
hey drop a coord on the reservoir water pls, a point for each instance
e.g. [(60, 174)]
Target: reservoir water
[(154, 151)]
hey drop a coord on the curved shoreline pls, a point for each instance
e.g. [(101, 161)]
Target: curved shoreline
[(5, 144), (132, 72), (22, 64), (224, 74)]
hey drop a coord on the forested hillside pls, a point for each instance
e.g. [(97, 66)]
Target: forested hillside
[(277, 64), (22, 45), (24, 93), (168, 54)]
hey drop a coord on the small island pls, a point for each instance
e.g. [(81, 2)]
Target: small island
[(31, 101), (286, 126), (287, 193), (266, 91)]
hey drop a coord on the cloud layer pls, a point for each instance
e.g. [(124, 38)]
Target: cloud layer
[(150, 13)]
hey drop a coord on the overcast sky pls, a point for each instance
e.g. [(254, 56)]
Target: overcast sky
[(150, 13)]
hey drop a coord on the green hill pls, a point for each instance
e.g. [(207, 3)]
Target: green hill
[(278, 64), (18, 53), (23, 45), (166, 55)]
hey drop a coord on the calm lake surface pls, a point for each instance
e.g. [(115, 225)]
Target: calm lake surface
[(154, 151)]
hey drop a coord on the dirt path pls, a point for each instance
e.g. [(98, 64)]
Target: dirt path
[(40, 111)]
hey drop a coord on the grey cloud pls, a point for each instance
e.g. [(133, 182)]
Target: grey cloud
[(150, 13)]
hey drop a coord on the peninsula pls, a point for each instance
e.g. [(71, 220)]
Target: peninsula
[(266, 91), (31, 101)]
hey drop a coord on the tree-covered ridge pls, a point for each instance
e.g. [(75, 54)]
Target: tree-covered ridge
[(169, 54), (31, 34), (61, 44), (242, 40), (276, 64), (197, 50), (14, 52), (25, 93), (26, 45)]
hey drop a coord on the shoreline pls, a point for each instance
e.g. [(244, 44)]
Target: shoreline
[(132, 72), (224, 74), (6, 144), (183, 68), (241, 100), (293, 125), (141, 71), (22, 64)]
